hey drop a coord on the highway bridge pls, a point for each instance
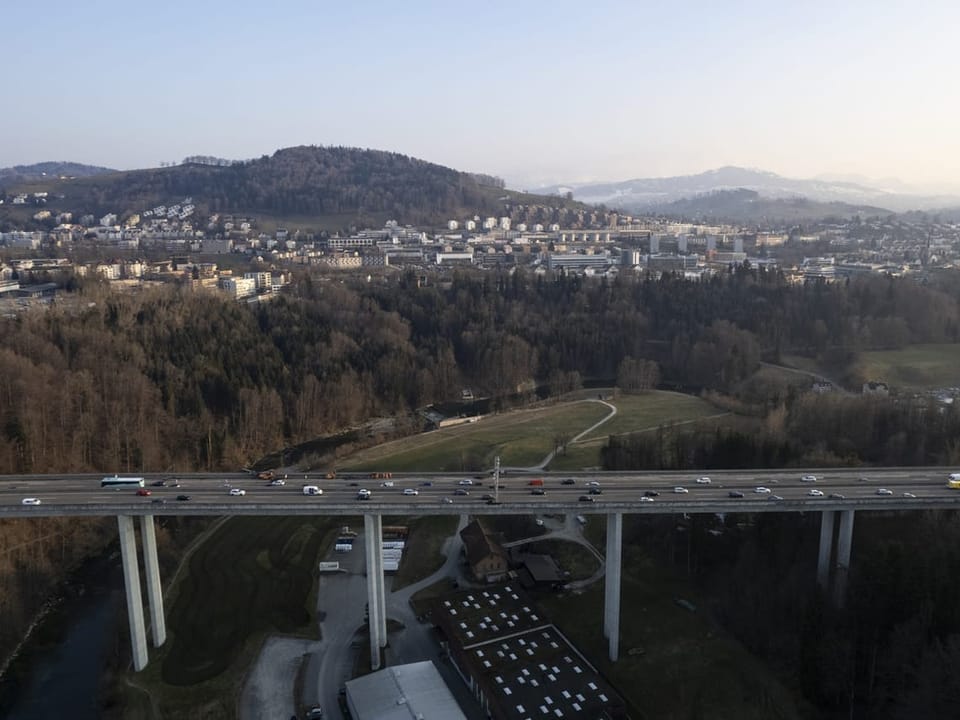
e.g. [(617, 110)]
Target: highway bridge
[(836, 493)]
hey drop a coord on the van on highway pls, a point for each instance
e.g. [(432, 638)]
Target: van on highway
[(953, 481), (312, 490)]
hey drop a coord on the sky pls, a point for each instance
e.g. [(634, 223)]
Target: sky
[(534, 92)]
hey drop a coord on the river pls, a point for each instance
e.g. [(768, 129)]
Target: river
[(58, 671)]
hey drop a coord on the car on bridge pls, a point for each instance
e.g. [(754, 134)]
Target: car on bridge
[(539, 491), (143, 491), (813, 492), (183, 498), (646, 499), (587, 498), (909, 495), (279, 482), (808, 478), (703, 480), (465, 481), (593, 483), (568, 481), (651, 493), (363, 494), (735, 494), (838, 496), (237, 492), (680, 490), (30, 501), (411, 491), (461, 491), (884, 491), (595, 491), (762, 490)]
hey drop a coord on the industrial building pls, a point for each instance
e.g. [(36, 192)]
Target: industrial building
[(402, 692)]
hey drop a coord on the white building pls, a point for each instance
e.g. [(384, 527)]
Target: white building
[(108, 220), (490, 223), (415, 691), (470, 225), (452, 225), (239, 288), (504, 223)]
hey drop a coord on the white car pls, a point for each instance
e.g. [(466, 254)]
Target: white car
[(909, 495), (884, 491), (703, 480), (465, 481), (363, 494), (388, 483), (411, 491), (680, 490), (813, 492), (646, 499), (30, 501), (593, 483), (762, 490), (238, 491), (808, 478)]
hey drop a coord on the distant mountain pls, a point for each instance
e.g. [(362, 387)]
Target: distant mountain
[(349, 185), (642, 193), (48, 170), (748, 206)]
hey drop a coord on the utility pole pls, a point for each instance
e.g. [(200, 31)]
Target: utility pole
[(496, 479)]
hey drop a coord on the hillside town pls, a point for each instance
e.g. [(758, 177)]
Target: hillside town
[(176, 243)]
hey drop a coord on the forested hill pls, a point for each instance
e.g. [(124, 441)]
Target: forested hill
[(749, 206), (48, 170), (307, 181)]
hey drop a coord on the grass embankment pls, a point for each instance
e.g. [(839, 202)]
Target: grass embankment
[(252, 577), (917, 367), (635, 413), (422, 554), (520, 438), (674, 663)]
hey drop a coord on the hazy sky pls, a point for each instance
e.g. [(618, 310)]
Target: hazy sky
[(532, 91)]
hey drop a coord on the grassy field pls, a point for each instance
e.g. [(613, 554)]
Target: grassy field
[(526, 437), (674, 664), (251, 578), (520, 438), (422, 556), (914, 368)]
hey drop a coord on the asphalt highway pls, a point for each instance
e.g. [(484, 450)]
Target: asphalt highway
[(437, 493)]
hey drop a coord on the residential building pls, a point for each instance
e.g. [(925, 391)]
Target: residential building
[(485, 556)]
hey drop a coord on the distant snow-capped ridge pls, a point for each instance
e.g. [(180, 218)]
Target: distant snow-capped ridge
[(643, 193)]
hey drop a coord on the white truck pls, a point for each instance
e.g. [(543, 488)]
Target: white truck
[(312, 490)]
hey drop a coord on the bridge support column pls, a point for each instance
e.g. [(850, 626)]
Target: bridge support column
[(131, 581), (611, 589), (381, 591), (151, 568), (827, 518), (844, 545), (373, 542)]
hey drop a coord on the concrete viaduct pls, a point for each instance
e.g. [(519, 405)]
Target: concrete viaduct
[(831, 492)]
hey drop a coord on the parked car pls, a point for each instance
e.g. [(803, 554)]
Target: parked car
[(237, 492)]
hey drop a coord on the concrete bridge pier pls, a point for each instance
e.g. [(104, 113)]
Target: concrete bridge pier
[(827, 518), (131, 581), (844, 545), (151, 568), (376, 600), (611, 589)]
